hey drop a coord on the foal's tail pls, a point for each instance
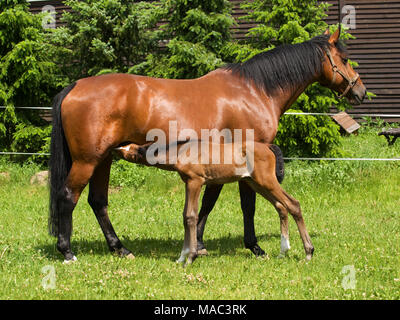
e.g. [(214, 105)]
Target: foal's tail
[(60, 160), (280, 165)]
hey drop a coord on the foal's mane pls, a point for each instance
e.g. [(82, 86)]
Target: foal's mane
[(286, 65)]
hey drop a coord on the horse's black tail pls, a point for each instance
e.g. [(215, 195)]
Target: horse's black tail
[(60, 160), (280, 165)]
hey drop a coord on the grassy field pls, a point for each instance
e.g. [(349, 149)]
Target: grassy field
[(352, 211)]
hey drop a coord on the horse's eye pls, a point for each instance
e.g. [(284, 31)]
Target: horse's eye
[(345, 60)]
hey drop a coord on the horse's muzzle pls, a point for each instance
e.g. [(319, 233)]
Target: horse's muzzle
[(357, 95)]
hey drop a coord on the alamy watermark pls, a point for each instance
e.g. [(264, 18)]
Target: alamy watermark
[(49, 279), (349, 280), (349, 19), (186, 146), (49, 20)]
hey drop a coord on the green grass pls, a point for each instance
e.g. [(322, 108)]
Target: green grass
[(352, 212)]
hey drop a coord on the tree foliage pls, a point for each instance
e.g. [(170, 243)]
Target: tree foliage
[(194, 33), (105, 36), (28, 77), (167, 38), (289, 22)]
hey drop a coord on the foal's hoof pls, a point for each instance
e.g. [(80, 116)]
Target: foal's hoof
[(202, 252), (189, 261), (309, 254)]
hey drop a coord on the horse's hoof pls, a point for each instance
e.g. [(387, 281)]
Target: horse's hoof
[(69, 261), (308, 257), (202, 252), (258, 252), (124, 253), (130, 256)]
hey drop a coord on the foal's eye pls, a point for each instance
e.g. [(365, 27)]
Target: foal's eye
[(345, 60)]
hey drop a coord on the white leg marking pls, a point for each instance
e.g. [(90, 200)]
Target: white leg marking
[(184, 254), (70, 261), (285, 246)]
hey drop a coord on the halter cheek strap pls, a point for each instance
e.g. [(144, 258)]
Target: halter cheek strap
[(351, 81)]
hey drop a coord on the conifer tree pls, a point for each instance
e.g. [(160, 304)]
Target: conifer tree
[(288, 22), (194, 34), (28, 77)]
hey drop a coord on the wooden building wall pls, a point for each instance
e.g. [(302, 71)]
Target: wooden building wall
[(376, 47)]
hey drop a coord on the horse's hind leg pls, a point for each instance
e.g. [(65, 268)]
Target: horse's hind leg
[(98, 200), (210, 196), (248, 205), (76, 181)]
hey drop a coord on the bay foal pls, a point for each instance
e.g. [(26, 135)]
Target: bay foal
[(260, 165)]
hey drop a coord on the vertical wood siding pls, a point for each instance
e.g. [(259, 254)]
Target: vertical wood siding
[(376, 47)]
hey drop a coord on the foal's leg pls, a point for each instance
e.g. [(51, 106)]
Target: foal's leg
[(248, 204), (285, 203), (210, 196), (189, 251), (283, 215), (76, 181), (98, 200), (295, 211)]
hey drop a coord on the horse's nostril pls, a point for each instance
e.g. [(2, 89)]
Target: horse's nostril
[(364, 95)]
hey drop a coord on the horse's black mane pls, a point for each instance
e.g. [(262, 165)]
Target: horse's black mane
[(286, 65)]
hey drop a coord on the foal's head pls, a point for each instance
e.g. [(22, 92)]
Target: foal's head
[(337, 72)]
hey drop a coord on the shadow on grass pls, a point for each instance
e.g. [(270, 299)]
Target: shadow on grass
[(162, 248)]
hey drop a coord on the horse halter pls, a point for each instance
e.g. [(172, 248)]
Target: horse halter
[(351, 82)]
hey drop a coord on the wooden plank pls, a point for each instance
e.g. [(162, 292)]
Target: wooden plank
[(386, 83), (388, 73), (348, 124)]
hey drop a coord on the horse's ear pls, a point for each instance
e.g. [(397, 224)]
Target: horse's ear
[(327, 32), (334, 37)]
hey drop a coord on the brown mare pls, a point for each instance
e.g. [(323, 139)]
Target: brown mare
[(260, 165), (95, 115)]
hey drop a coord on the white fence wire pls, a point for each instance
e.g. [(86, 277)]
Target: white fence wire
[(285, 158)]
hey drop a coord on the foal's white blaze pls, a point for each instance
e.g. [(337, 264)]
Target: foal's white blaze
[(285, 245), (127, 148)]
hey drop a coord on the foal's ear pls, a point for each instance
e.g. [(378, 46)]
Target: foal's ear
[(327, 32), (334, 37)]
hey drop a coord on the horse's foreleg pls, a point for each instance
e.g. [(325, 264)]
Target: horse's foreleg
[(210, 197), (98, 200), (189, 251), (76, 181), (248, 204)]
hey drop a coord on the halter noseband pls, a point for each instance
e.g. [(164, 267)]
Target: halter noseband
[(335, 69)]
